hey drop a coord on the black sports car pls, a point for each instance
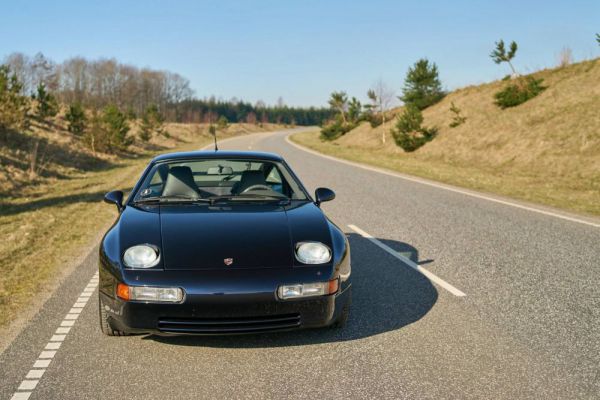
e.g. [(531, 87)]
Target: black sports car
[(222, 243)]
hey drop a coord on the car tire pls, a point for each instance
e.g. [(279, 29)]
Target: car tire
[(104, 324), (342, 319)]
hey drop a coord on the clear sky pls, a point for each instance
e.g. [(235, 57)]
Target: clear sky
[(302, 50)]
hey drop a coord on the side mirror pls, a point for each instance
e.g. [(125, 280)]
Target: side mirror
[(323, 194), (115, 197)]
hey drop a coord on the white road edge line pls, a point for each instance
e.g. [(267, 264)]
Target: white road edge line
[(28, 385), (442, 186), (432, 277)]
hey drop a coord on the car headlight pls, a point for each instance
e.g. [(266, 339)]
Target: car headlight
[(141, 256), (312, 253)]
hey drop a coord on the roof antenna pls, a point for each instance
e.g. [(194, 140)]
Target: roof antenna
[(213, 131)]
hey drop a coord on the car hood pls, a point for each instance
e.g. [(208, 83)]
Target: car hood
[(238, 236)]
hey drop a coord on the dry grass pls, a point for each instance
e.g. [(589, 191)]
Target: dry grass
[(45, 226), (546, 150)]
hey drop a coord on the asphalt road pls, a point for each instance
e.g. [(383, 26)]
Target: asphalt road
[(527, 327)]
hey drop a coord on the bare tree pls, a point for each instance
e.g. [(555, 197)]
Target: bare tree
[(43, 71), (19, 65), (381, 95), (74, 80), (565, 57)]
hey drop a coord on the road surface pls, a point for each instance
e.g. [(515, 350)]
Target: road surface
[(507, 306)]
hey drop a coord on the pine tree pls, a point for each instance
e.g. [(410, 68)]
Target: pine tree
[(422, 85), (47, 106), (354, 110), (339, 102), (409, 132), (458, 118), (152, 122), (76, 118), (13, 106), (116, 127), (500, 55)]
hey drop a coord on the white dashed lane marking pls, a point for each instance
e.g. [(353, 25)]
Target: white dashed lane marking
[(45, 358)]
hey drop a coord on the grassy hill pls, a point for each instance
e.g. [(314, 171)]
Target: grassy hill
[(47, 222), (546, 150)]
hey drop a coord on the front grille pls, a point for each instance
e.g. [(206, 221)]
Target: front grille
[(217, 326)]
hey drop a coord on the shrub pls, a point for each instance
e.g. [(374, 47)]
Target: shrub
[(519, 92), (222, 122), (145, 134), (335, 129), (375, 119), (458, 118), (409, 133), (76, 118)]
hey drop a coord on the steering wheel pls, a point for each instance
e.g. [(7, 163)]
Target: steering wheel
[(254, 187)]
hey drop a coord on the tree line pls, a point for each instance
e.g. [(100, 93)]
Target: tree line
[(210, 110), (97, 84)]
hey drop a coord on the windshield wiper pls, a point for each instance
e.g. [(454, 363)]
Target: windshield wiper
[(249, 197), (171, 200)]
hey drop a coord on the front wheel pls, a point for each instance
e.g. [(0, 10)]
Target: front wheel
[(342, 319), (104, 324)]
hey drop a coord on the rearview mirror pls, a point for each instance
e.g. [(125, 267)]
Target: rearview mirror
[(323, 194), (115, 197)]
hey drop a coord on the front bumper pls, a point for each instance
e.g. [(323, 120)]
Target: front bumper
[(214, 305)]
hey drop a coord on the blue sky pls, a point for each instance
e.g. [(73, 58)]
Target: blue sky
[(303, 50)]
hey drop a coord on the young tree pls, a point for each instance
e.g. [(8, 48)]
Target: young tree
[(598, 38), (76, 118), (222, 122), (500, 55), (251, 118), (422, 85), (339, 102), (47, 106), (409, 132), (13, 106), (381, 96), (458, 118), (565, 57), (19, 65), (354, 110), (116, 127), (152, 122)]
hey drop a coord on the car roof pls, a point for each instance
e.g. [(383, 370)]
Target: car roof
[(212, 154)]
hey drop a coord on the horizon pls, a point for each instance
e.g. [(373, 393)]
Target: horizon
[(303, 63)]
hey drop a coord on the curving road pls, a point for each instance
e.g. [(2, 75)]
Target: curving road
[(455, 296)]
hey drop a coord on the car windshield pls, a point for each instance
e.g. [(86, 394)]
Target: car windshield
[(213, 180)]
